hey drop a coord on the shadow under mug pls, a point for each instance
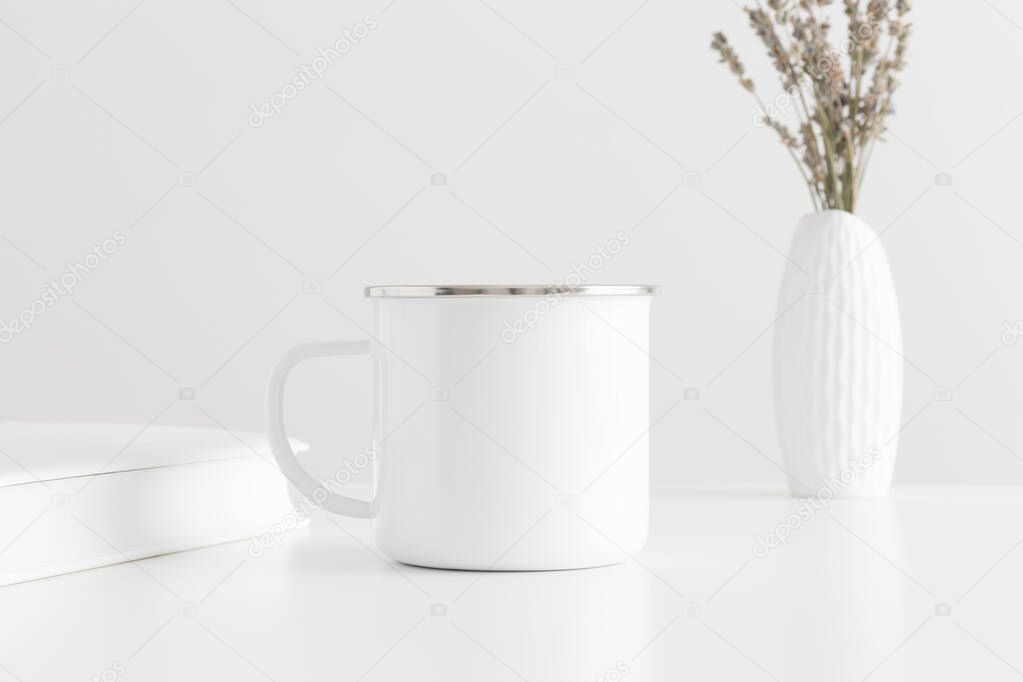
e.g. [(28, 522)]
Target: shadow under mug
[(510, 425)]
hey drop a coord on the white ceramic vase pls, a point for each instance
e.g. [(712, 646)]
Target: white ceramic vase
[(838, 360)]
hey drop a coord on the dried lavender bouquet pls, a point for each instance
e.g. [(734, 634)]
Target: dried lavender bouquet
[(842, 93)]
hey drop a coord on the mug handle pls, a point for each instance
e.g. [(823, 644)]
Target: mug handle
[(279, 445)]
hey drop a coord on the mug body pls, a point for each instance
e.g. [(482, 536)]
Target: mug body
[(511, 425)]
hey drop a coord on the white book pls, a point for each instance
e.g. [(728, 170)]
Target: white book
[(75, 496)]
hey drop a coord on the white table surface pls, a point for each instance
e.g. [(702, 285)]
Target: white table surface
[(856, 593)]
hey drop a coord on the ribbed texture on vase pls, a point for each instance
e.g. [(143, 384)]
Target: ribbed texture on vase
[(838, 359)]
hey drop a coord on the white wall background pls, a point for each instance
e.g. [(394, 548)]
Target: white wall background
[(106, 106)]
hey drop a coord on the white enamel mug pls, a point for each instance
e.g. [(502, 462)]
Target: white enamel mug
[(510, 428)]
